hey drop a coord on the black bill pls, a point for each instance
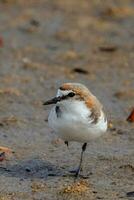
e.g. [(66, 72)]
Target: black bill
[(54, 100), (59, 98)]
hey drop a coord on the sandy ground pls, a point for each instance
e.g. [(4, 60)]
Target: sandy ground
[(44, 45)]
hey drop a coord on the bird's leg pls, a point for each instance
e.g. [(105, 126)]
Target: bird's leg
[(66, 142), (81, 158)]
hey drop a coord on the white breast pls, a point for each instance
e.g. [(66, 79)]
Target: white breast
[(74, 123)]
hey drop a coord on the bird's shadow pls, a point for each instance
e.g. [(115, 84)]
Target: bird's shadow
[(33, 168)]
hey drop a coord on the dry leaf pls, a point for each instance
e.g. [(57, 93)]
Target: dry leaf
[(131, 116)]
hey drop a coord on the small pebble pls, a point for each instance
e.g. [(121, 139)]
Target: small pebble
[(34, 22), (80, 71), (28, 170), (108, 49)]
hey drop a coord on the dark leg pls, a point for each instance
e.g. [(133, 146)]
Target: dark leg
[(81, 158), (66, 142)]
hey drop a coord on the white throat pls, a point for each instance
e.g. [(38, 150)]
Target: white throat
[(74, 108)]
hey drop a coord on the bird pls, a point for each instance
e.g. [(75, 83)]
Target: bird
[(77, 116)]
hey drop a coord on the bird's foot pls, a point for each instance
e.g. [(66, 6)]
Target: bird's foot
[(78, 174), (75, 171)]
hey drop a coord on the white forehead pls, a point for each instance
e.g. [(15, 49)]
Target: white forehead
[(63, 92)]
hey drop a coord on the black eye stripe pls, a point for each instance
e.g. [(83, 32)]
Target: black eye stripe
[(71, 94)]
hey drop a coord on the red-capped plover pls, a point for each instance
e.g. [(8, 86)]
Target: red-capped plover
[(77, 115)]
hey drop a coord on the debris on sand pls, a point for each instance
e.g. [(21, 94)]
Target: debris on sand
[(5, 149), (8, 120), (80, 70), (28, 64), (131, 116), (38, 187), (57, 142), (2, 156), (1, 42), (10, 91), (77, 187), (127, 167), (124, 95), (34, 22), (3, 152), (108, 48), (30, 27), (116, 12), (71, 55), (111, 126), (8, 1)]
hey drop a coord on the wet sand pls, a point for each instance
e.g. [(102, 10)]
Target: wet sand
[(41, 46)]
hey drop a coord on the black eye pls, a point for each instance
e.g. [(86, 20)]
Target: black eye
[(71, 94)]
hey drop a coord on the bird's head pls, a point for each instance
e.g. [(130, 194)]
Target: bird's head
[(73, 91)]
